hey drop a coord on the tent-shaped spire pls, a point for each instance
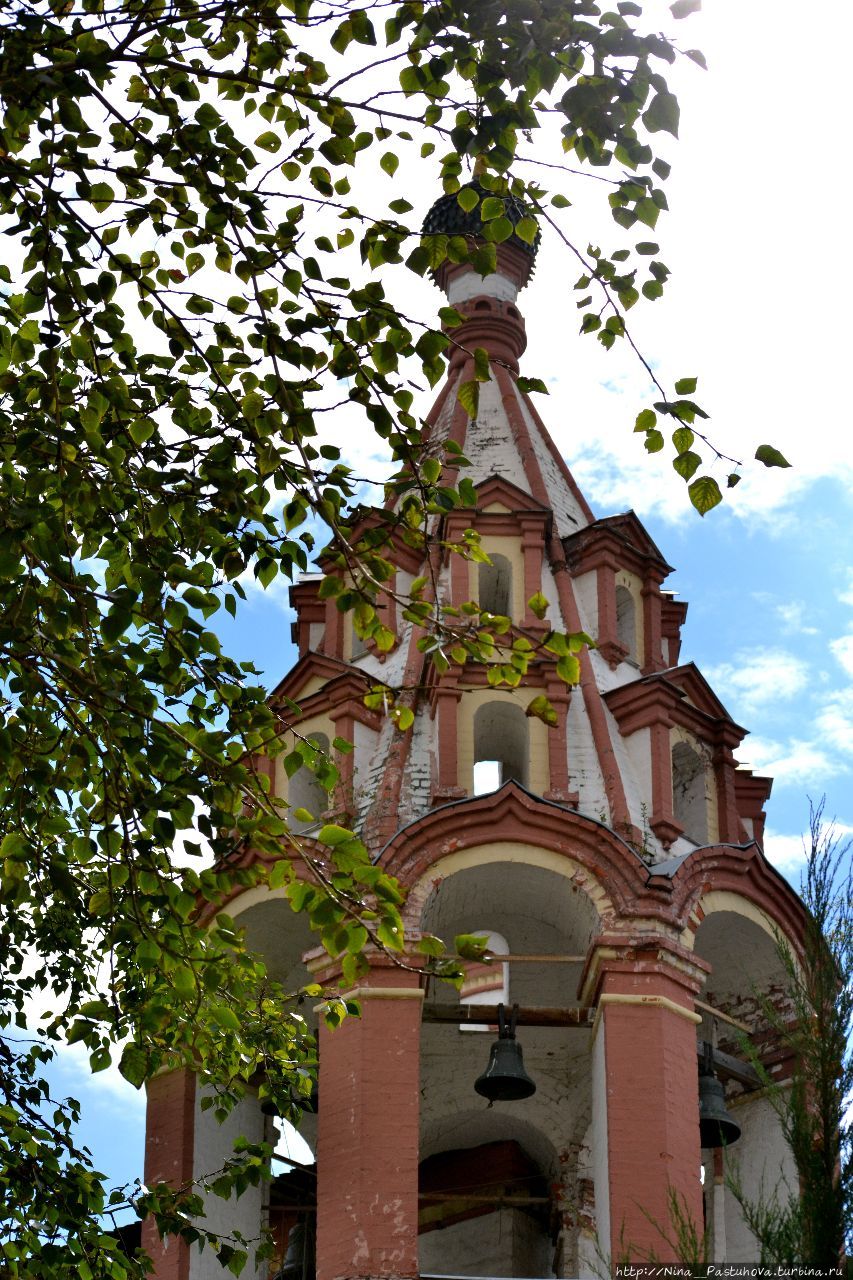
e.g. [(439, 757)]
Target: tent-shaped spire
[(506, 436)]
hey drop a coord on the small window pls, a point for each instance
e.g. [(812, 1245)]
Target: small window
[(501, 740), (689, 802), (306, 792), (626, 622), (495, 586), (486, 984)]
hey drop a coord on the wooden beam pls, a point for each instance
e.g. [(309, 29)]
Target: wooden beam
[(527, 1016), (490, 957), (729, 1068), (724, 1017)]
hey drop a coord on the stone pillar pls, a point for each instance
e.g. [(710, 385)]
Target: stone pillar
[(368, 1130), (645, 1090), (169, 1141)]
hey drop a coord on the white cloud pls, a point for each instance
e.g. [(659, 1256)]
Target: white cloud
[(793, 617), (786, 853), (107, 1087), (842, 648), (835, 721), (756, 677), (795, 762)]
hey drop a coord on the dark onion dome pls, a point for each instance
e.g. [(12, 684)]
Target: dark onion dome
[(447, 217)]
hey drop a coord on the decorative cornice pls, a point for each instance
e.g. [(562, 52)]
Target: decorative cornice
[(662, 698), (618, 539)]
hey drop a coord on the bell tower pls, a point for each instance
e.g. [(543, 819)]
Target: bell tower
[(612, 858)]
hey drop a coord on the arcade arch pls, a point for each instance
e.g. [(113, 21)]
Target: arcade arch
[(737, 940), (539, 910)]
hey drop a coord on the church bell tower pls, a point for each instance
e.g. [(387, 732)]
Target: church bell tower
[(613, 859)]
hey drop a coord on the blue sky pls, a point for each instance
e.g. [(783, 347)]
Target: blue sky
[(757, 242)]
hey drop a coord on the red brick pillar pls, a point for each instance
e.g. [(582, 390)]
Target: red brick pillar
[(645, 1094), (169, 1139), (367, 1131)]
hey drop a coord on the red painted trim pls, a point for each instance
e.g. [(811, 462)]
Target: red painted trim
[(513, 814), (622, 539), (615, 792), (586, 509)]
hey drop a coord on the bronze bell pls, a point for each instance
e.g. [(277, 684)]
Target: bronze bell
[(505, 1079), (299, 1262), (716, 1127)]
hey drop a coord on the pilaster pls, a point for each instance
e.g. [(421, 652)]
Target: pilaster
[(367, 1129), (646, 1090)]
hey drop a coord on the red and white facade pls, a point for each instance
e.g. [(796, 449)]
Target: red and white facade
[(618, 860)]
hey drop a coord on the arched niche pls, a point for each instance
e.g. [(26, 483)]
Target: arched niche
[(488, 1157), (281, 937), (486, 983), (626, 622), (502, 737), (495, 585), (306, 792), (689, 792)]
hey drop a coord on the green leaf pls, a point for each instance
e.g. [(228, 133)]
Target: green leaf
[(705, 494), (687, 464), (683, 8), (685, 386), (404, 718), (527, 229), (133, 1064), (224, 1016), (470, 946), (770, 456), (542, 709), (646, 420), (101, 195), (662, 114), (468, 396), (499, 230), (491, 208), (538, 605), (268, 141), (390, 163), (482, 368), (569, 669), (467, 199), (428, 945)]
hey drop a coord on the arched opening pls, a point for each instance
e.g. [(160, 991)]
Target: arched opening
[(487, 1210), (689, 799), (746, 974), (501, 740), (495, 1180), (306, 791), (626, 622), (281, 936), (495, 585), (486, 983)]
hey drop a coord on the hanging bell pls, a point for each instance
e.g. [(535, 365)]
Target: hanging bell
[(716, 1127), (299, 1263), (505, 1079)]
